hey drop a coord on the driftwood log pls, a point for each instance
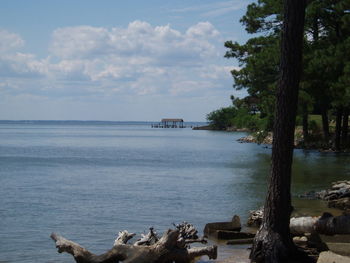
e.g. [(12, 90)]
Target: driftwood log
[(173, 246), (326, 224)]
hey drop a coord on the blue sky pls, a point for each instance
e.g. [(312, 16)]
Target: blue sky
[(116, 60)]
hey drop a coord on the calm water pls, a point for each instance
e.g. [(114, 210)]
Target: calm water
[(87, 181)]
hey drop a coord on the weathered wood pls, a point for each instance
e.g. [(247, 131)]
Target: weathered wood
[(211, 229), (147, 240), (326, 224), (187, 230), (301, 225), (171, 247), (123, 237)]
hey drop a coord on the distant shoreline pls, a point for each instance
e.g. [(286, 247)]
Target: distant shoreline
[(228, 129), (194, 123)]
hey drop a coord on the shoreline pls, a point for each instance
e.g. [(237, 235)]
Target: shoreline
[(228, 129), (298, 143), (320, 246)]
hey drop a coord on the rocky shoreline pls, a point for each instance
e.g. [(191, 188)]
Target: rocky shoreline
[(337, 196), (228, 129), (298, 144), (253, 138), (327, 241)]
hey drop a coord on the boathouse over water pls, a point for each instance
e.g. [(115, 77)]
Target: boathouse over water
[(170, 123)]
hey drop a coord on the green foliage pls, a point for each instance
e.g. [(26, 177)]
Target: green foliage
[(238, 116), (253, 122), (259, 70), (263, 16), (325, 85), (259, 56), (222, 118), (314, 127)]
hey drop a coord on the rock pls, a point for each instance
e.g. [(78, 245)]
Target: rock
[(338, 196), (330, 257), (210, 229), (321, 194), (206, 127), (341, 203), (315, 241), (268, 139), (339, 185), (301, 241), (242, 130), (255, 217), (248, 139)]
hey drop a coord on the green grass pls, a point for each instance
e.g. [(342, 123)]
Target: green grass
[(316, 118)]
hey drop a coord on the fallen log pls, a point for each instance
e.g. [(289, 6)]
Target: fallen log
[(326, 224), (171, 247), (211, 229)]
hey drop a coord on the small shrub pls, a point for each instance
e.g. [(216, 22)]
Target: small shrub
[(222, 118)]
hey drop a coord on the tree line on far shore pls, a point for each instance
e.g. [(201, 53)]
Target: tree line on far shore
[(325, 85)]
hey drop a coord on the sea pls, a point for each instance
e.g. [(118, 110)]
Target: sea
[(88, 180)]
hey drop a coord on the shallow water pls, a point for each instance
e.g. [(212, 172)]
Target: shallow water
[(88, 181)]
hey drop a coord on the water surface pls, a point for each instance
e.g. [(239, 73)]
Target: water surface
[(89, 180)]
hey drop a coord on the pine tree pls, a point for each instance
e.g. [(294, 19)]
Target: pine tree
[(273, 242)]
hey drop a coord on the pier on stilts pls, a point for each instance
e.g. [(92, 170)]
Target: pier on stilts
[(170, 123)]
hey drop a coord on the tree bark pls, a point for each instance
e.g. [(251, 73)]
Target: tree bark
[(325, 125), (338, 125), (345, 127), (273, 242), (172, 247)]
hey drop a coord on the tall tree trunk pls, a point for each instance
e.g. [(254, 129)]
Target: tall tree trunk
[(345, 128), (315, 29), (305, 123), (325, 125), (273, 241), (338, 125)]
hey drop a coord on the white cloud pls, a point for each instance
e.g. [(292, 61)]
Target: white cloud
[(138, 60), (139, 39), (9, 41), (202, 29), (21, 65), (15, 64)]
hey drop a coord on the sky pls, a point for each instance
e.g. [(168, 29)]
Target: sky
[(116, 60)]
